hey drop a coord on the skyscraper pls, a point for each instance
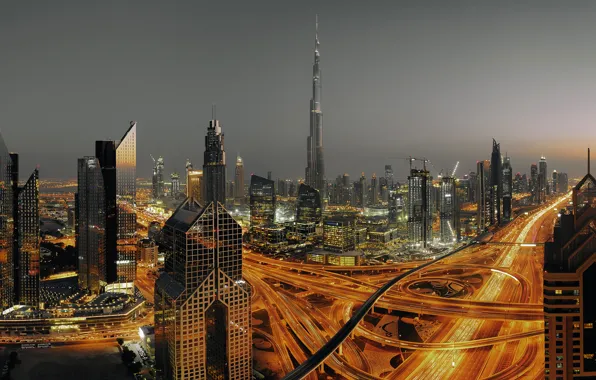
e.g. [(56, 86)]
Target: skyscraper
[(542, 179), (175, 178), (534, 184), (562, 183), (569, 281), (90, 226), (554, 180), (482, 196), (449, 211), (262, 201), (28, 240), (496, 184), (315, 166), (117, 160), (419, 207), (239, 182), (308, 205), (507, 186), (158, 182), (202, 303), (362, 190), (214, 164), (389, 176), (374, 190), (194, 185), (7, 208)]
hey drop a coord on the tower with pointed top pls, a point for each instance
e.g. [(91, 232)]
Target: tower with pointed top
[(239, 181), (214, 164), (315, 165)]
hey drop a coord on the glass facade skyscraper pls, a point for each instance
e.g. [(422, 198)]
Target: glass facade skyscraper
[(214, 164), (6, 228), (507, 186), (308, 205), (202, 303), (28, 240), (419, 207), (90, 225), (496, 184), (117, 161), (262, 201), (482, 196)]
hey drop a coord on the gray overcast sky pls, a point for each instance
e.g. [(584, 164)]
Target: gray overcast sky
[(436, 79)]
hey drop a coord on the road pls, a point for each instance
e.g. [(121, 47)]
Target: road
[(493, 331)]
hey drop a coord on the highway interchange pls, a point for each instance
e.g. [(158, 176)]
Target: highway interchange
[(494, 331)]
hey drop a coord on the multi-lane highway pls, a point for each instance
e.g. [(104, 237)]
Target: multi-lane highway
[(493, 330)]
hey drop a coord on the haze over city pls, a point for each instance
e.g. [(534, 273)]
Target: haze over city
[(336, 190), (401, 78)]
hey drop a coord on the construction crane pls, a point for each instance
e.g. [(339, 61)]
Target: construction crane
[(454, 169)]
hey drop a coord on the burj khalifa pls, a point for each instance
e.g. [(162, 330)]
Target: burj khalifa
[(315, 168)]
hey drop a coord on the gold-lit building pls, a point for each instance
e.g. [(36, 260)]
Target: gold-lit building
[(569, 282), (339, 235), (194, 183), (202, 303)]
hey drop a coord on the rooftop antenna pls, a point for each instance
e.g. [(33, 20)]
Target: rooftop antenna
[(213, 111)]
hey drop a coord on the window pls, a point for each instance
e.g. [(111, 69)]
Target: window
[(588, 325), (558, 291), (559, 365)]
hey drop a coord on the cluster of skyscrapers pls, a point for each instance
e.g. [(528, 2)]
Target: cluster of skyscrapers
[(19, 234), (106, 223)]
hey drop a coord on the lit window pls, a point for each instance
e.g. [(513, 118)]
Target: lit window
[(588, 325), (558, 291)]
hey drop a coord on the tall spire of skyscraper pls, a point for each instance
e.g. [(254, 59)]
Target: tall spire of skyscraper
[(315, 167)]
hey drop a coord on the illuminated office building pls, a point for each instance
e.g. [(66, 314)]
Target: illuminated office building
[(315, 166), (7, 208), (262, 201), (147, 251), (117, 160), (202, 303), (507, 189), (214, 164), (175, 178), (449, 211), (534, 184), (157, 180), (562, 183), (496, 184), (308, 205), (90, 226), (482, 195), (374, 190), (239, 182), (339, 235), (389, 176), (543, 187), (194, 185), (28, 240), (569, 282), (419, 207)]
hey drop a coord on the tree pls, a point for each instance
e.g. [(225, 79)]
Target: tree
[(120, 341)]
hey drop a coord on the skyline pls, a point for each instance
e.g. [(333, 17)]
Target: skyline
[(396, 70)]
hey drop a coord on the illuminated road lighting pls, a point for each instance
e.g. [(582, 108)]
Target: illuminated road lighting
[(505, 273), (527, 245)]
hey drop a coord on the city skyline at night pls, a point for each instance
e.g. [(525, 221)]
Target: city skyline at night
[(403, 102), (440, 232)]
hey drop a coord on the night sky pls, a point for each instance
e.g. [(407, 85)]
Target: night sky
[(437, 79)]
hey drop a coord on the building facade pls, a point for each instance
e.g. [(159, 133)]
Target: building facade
[(496, 184), (202, 303), (569, 280), (419, 207), (90, 226), (449, 211), (507, 187), (194, 185), (308, 205), (315, 165), (483, 196), (214, 164), (239, 182), (262, 201)]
